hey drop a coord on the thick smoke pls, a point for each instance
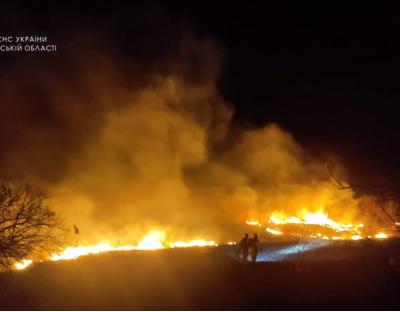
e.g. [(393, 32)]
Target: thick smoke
[(122, 147)]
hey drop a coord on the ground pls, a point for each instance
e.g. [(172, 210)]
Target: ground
[(350, 275)]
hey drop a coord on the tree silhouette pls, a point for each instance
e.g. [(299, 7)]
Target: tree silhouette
[(383, 195), (27, 225)]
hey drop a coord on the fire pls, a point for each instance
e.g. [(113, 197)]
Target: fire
[(316, 218), (153, 240), (193, 243), (381, 235), (274, 232), (315, 225), (71, 253), (156, 239), (23, 264), (253, 223)]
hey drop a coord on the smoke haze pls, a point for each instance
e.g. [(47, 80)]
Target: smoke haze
[(125, 146)]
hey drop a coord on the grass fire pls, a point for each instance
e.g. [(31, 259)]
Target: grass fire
[(318, 225), (196, 155), (311, 225), (152, 241)]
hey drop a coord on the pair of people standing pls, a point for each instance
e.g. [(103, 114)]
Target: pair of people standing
[(249, 244)]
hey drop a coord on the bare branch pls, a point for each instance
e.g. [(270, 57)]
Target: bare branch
[(26, 224)]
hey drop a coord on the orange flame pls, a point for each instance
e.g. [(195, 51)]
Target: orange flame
[(381, 235), (153, 240), (337, 230), (274, 232), (23, 264)]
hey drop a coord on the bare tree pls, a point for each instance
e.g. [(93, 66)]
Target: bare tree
[(383, 194), (27, 225)]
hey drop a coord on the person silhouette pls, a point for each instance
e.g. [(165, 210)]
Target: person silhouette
[(244, 247), (255, 246)]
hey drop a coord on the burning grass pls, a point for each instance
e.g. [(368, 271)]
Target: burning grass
[(308, 225), (153, 240), (317, 225)]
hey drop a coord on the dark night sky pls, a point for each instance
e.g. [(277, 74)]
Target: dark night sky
[(326, 72)]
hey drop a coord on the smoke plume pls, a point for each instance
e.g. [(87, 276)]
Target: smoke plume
[(122, 146)]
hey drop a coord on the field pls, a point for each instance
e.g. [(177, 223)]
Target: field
[(307, 275)]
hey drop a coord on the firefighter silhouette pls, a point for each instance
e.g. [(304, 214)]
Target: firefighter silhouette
[(255, 247), (244, 247)]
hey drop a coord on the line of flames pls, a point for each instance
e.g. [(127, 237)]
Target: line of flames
[(156, 239), (319, 218), (153, 240)]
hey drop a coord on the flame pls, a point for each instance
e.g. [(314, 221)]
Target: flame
[(153, 240), (381, 235), (156, 239), (193, 243), (274, 232), (23, 264), (253, 223), (71, 253), (337, 230), (315, 218), (319, 218)]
